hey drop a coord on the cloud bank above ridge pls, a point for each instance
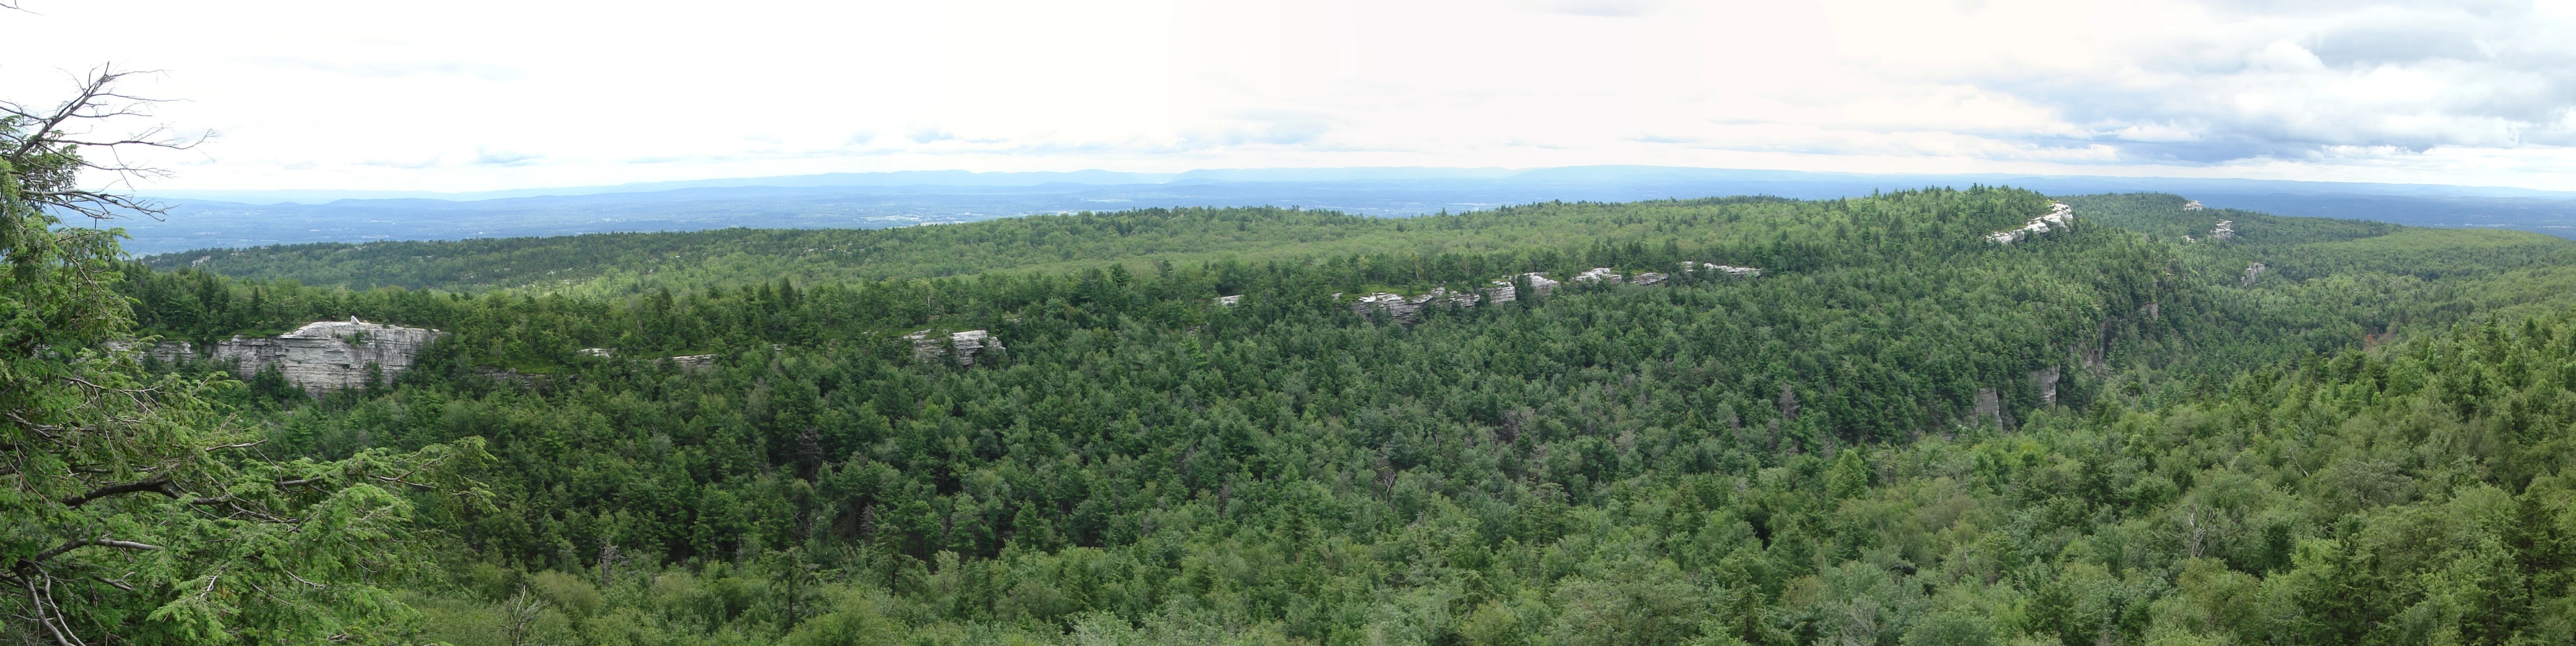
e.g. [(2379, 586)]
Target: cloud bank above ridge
[(469, 95)]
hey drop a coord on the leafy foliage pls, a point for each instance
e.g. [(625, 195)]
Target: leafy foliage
[(137, 507), (2366, 446)]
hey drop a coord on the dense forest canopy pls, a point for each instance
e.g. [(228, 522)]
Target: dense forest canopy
[(1899, 434), (627, 262)]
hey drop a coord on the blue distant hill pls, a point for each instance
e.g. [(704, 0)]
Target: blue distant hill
[(203, 219)]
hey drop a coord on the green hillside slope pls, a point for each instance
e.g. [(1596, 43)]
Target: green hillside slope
[(1900, 434), (627, 262)]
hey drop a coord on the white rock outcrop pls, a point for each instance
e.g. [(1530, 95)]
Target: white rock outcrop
[(1598, 276), (959, 346), (1648, 278), (1229, 301), (969, 342), (2192, 205), (1406, 310), (2059, 217), (166, 351), (2225, 229), (1507, 288), (1539, 283), (924, 348), (1386, 305), (320, 357), (2252, 273), (1689, 267)]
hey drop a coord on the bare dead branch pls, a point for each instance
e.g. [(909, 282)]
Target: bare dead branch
[(53, 133), (157, 484), (42, 598), (78, 543)]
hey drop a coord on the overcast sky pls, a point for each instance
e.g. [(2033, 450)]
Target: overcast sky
[(468, 95)]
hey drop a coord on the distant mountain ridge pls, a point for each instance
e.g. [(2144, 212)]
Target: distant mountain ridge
[(213, 219), (1603, 173)]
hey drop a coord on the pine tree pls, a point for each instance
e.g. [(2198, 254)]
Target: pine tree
[(133, 508)]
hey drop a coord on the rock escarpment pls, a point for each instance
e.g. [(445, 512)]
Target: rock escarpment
[(1407, 309), (319, 357), (2059, 217), (1689, 267), (1539, 285), (1598, 276), (2045, 381), (959, 346), (2192, 205)]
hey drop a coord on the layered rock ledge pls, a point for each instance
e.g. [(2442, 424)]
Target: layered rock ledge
[(320, 357), (2059, 217), (1407, 309), (960, 346)]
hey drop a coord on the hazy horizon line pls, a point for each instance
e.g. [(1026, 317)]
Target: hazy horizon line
[(1286, 174)]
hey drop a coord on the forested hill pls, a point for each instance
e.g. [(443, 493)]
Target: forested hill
[(625, 263), (1902, 433), (635, 262)]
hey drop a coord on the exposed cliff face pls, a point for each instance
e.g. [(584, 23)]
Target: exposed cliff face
[(969, 342), (960, 346), (1539, 283), (2045, 381), (1403, 309), (2060, 217), (1689, 267), (1598, 276), (1406, 309), (320, 357)]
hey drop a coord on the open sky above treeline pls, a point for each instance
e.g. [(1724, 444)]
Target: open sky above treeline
[(476, 96)]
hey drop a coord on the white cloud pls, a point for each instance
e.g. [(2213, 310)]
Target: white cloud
[(477, 95), (2317, 82)]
